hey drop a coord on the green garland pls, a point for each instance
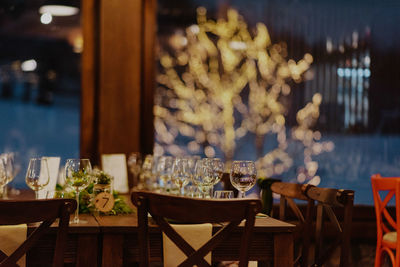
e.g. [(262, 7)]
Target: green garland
[(85, 197)]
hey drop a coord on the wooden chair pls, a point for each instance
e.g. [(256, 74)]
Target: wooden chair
[(190, 210), (388, 228), (331, 200), (289, 192), (14, 212)]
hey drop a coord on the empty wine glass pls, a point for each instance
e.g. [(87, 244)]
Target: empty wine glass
[(243, 176), (203, 177), (78, 176), (164, 170), (12, 168), (134, 165), (182, 172), (37, 175), (3, 176)]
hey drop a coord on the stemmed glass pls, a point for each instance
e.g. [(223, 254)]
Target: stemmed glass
[(12, 170), (216, 167), (203, 177), (182, 172), (78, 176), (3, 175), (37, 175), (164, 170), (134, 164), (243, 176)]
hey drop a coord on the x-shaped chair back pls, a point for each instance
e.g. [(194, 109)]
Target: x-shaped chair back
[(289, 193), (328, 201), (190, 210), (384, 190), (44, 211)]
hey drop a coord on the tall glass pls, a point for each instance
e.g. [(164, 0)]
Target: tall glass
[(78, 176), (243, 176), (182, 172), (37, 175)]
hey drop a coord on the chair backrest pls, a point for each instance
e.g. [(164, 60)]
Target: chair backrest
[(331, 200), (190, 210), (46, 211), (390, 186), (289, 192)]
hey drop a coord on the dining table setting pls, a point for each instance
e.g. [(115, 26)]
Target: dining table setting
[(104, 229)]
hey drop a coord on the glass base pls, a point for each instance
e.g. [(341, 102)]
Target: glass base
[(77, 221)]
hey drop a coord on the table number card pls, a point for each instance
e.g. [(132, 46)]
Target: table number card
[(104, 202), (53, 164), (115, 165)]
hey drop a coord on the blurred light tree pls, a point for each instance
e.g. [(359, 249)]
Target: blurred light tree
[(219, 83)]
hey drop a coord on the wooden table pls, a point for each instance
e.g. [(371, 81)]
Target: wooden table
[(112, 241), (272, 240)]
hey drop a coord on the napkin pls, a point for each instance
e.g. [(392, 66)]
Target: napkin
[(115, 165), (195, 234), (11, 237), (53, 164)]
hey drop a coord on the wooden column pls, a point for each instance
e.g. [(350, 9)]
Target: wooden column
[(117, 77)]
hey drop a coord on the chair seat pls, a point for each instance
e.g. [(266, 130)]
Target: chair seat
[(390, 237)]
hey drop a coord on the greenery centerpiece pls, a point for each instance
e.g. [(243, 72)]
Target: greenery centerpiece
[(101, 182)]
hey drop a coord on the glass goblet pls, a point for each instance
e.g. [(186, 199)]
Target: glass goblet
[(203, 177), (78, 176), (243, 176), (37, 175), (182, 172)]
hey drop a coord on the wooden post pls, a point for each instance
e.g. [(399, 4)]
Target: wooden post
[(117, 77)]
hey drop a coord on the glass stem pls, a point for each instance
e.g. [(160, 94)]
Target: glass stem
[(76, 218), (4, 189), (36, 194), (2, 192), (241, 194)]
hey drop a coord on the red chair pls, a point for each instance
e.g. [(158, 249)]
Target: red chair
[(387, 226)]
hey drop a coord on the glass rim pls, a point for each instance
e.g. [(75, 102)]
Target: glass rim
[(76, 159)]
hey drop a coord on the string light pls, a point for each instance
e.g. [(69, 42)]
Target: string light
[(202, 87)]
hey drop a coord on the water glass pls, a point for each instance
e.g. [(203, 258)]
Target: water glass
[(243, 176), (37, 175)]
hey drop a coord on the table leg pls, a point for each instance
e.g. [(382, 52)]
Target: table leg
[(283, 249), (87, 251), (112, 250)]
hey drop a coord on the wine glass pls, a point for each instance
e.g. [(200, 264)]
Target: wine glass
[(12, 169), (146, 173), (134, 164), (203, 177), (78, 176), (182, 172), (243, 176), (37, 175), (217, 169), (3, 175), (164, 170)]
